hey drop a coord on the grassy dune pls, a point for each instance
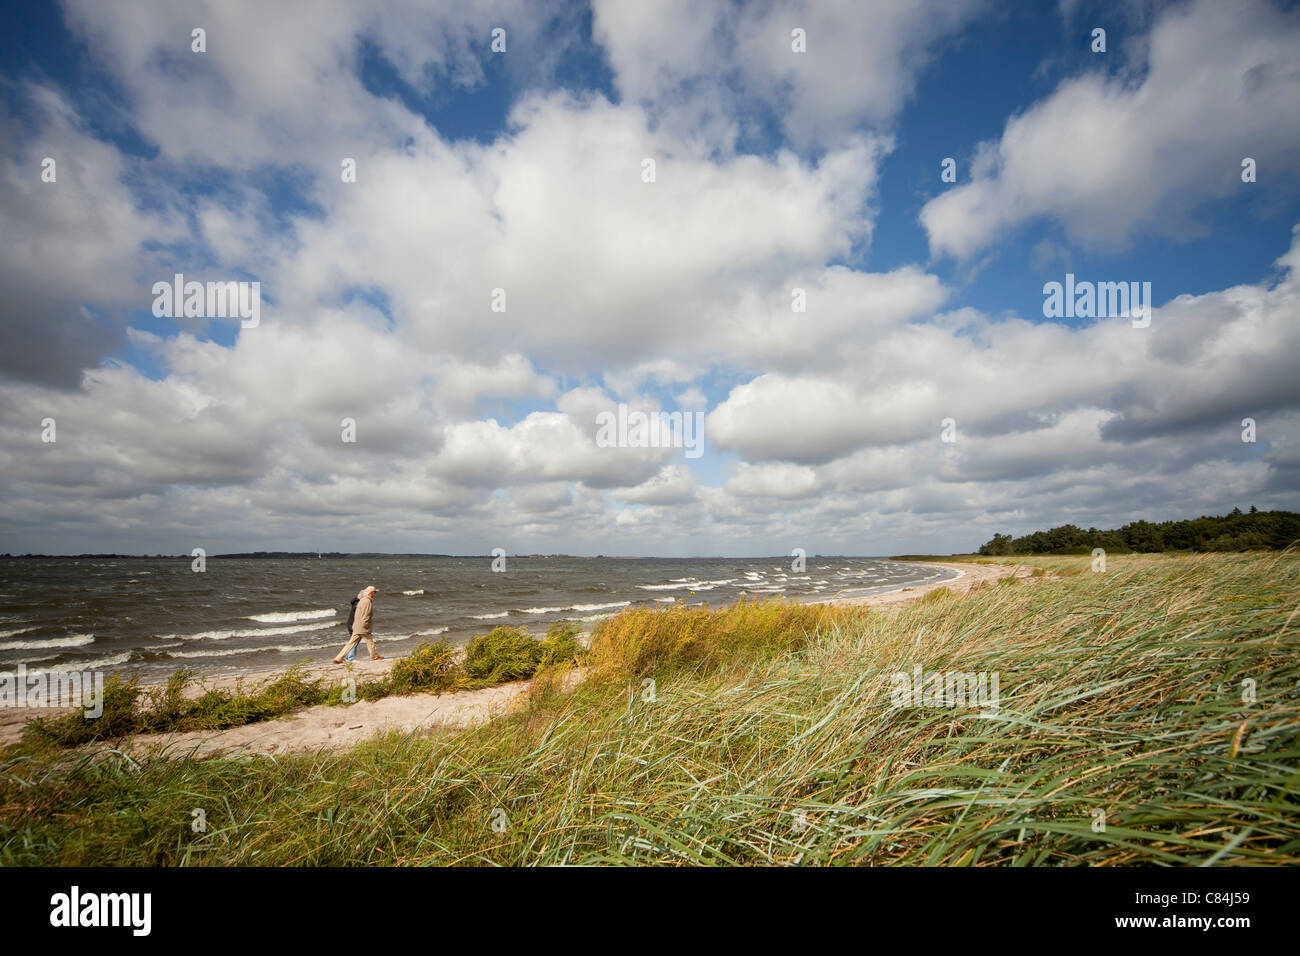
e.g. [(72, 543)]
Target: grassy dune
[(765, 734)]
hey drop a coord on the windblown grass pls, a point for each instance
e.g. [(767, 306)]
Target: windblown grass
[(642, 641), (1125, 693)]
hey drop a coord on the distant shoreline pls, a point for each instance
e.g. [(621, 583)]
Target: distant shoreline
[(371, 555)]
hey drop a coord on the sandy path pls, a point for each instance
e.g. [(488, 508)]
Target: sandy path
[(328, 728), (332, 727)]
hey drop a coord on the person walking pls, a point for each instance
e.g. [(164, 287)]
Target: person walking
[(361, 625), (352, 616)]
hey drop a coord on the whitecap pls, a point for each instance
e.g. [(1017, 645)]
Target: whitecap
[(260, 632), (235, 651), (72, 640), (84, 665), (283, 617)]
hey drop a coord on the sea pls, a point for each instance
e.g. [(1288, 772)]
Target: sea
[(150, 616)]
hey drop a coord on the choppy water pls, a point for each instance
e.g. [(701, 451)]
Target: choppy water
[(154, 615)]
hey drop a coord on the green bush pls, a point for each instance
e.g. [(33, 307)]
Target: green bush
[(74, 729), (561, 645), (430, 667), (510, 653)]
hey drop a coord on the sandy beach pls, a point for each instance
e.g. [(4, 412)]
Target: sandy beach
[(330, 727)]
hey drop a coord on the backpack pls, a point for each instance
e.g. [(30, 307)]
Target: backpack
[(352, 614)]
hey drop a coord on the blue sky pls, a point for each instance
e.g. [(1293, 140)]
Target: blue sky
[(997, 67), (520, 170)]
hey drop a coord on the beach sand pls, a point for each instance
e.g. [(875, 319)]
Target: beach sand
[(332, 727)]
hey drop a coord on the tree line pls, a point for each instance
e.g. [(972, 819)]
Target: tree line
[(1238, 530)]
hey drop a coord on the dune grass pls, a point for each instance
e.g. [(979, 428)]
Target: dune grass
[(645, 641), (1164, 694)]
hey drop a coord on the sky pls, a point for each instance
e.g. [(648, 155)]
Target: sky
[(826, 231)]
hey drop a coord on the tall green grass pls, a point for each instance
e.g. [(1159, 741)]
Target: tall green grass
[(1120, 692), (641, 641)]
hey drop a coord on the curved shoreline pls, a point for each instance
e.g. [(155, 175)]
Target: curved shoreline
[(856, 595), (332, 727), (252, 651)]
